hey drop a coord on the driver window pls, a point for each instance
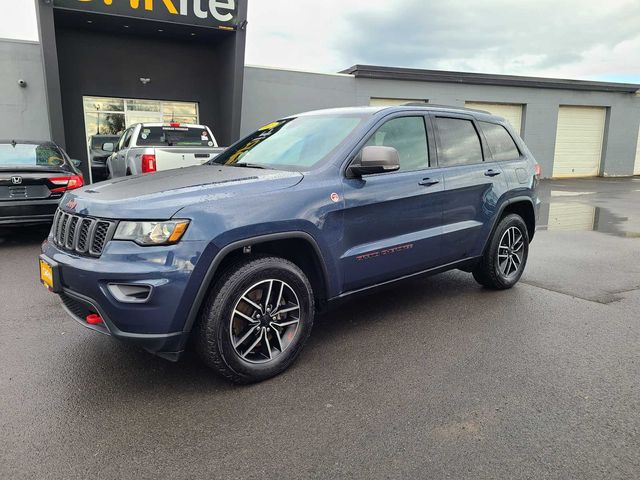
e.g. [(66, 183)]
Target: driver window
[(408, 135)]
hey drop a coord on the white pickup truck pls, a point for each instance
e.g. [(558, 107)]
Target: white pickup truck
[(151, 147)]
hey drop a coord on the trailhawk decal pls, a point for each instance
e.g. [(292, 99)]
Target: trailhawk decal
[(208, 13), (386, 251)]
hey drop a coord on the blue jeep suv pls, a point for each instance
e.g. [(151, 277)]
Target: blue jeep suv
[(234, 257)]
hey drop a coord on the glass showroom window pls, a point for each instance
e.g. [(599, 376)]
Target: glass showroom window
[(110, 116)]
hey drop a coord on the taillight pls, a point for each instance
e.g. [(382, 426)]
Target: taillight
[(148, 163), (66, 183), (538, 170)]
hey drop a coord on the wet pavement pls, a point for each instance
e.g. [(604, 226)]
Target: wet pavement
[(433, 378)]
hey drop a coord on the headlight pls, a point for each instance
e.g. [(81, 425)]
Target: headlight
[(151, 233)]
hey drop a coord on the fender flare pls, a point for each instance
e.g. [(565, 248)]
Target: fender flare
[(221, 255), (501, 210)]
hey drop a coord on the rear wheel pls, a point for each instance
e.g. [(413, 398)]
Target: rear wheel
[(257, 319), (506, 255)]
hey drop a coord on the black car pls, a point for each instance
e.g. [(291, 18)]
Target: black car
[(33, 178), (98, 156)]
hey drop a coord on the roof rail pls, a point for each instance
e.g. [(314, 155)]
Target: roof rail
[(449, 107)]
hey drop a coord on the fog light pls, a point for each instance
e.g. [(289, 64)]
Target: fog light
[(130, 293)]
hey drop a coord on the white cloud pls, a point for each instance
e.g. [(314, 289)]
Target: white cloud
[(18, 20), (587, 39)]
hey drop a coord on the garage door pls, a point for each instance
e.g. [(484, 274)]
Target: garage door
[(636, 168), (511, 111), (579, 141), (392, 102)]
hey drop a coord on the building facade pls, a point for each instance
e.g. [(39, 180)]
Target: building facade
[(574, 128), (101, 66), (107, 65)]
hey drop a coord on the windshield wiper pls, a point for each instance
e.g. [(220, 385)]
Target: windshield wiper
[(248, 165)]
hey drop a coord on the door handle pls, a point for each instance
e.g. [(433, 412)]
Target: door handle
[(492, 173), (427, 182)]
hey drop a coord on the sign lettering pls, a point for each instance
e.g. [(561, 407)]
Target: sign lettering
[(210, 13)]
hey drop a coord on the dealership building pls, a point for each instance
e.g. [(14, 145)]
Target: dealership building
[(101, 65)]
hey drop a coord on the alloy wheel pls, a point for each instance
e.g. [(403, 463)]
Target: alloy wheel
[(511, 251), (264, 321)]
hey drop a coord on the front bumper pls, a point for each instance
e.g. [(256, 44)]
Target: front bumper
[(167, 345), (158, 322)]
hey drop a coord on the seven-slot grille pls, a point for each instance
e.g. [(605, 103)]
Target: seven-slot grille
[(83, 235)]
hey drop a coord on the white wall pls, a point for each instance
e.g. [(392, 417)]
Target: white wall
[(18, 20)]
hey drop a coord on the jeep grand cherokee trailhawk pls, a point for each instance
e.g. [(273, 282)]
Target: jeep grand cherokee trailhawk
[(238, 254)]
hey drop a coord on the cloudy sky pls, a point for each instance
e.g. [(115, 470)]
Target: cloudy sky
[(590, 39), (586, 39)]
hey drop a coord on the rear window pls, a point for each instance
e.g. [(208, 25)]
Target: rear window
[(174, 137), (31, 155), (500, 142)]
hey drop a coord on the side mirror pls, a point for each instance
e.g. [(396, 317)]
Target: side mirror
[(375, 159), (76, 162), (107, 147)]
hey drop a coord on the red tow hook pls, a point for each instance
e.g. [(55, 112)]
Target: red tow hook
[(94, 319)]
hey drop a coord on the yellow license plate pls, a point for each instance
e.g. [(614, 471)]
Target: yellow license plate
[(46, 274)]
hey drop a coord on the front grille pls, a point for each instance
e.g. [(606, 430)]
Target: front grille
[(83, 235)]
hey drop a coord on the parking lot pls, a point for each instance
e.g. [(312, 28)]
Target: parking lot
[(432, 378)]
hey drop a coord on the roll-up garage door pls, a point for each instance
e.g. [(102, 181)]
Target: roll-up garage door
[(636, 168), (512, 112), (579, 141)]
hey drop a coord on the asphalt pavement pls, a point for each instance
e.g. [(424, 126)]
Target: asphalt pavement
[(433, 378)]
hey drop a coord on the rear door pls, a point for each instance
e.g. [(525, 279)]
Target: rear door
[(502, 148), (393, 221), (473, 184)]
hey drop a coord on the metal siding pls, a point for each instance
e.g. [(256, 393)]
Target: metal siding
[(391, 102), (579, 141), (511, 112)]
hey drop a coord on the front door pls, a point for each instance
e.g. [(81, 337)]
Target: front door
[(393, 221)]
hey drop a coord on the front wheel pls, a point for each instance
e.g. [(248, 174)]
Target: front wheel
[(257, 319), (506, 255)]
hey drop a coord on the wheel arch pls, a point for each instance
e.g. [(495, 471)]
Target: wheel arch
[(522, 206), (296, 246)]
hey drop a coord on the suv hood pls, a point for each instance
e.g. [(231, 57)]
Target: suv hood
[(161, 195)]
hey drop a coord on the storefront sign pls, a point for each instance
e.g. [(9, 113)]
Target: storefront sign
[(206, 13)]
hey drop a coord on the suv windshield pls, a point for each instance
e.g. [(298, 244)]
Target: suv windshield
[(298, 143), (31, 155), (174, 137)]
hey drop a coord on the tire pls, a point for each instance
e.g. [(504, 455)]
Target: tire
[(496, 268), (246, 351)]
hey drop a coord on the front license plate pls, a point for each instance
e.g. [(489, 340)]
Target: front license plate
[(46, 274)]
